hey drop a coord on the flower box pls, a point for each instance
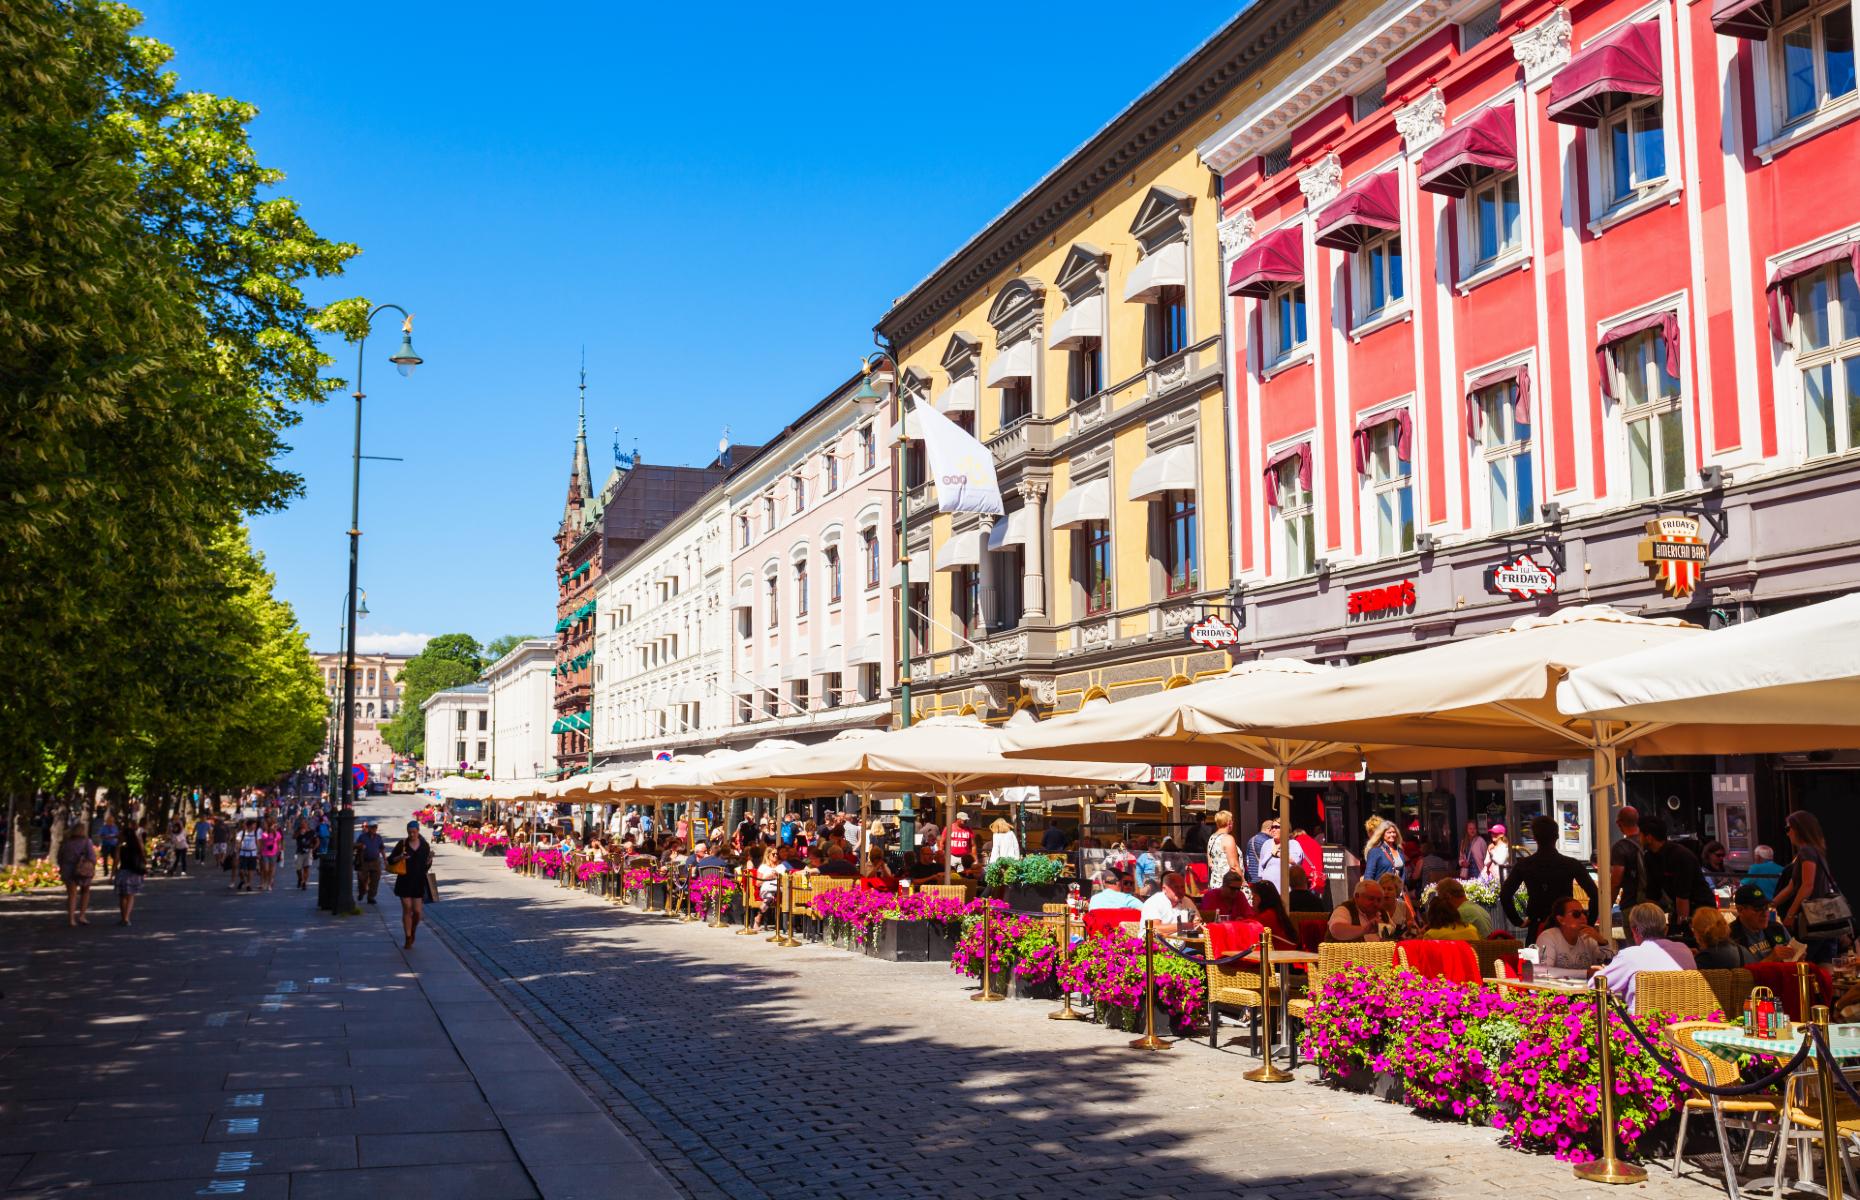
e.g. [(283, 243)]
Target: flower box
[(1019, 987), (655, 897), (912, 941), (1383, 1085)]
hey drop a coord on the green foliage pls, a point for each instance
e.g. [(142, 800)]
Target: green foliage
[(449, 660), (499, 647), (1038, 871)]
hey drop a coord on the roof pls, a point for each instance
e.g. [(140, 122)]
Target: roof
[(465, 691)]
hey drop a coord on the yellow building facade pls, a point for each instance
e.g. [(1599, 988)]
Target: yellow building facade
[(1080, 337)]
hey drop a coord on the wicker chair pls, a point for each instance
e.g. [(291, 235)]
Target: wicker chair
[(1691, 993), (800, 900), (955, 891), (1334, 957), (1235, 987), (1753, 1114), (1492, 951)]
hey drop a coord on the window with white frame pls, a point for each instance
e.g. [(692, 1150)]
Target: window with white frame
[(800, 588), (1379, 284), (868, 448), (771, 587), (832, 685), (798, 489), (1390, 480), (1652, 416), (1092, 545), (1828, 356), (1286, 328), (1811, 57), (868, 553), (798, 695), (835, 586), (965, 600), (1494, 221), (1631, 137), (832, 464), (768, 512), (869, 681), (1296, 518), (1506, 459), (1085, 370)]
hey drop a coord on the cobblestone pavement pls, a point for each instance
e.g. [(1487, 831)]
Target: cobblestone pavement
[(752, 1070)]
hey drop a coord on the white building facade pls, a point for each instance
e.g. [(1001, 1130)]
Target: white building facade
[(522, 706), (458, 729), (661, 657)]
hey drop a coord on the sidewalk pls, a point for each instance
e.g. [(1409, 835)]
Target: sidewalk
[(246, 1044)]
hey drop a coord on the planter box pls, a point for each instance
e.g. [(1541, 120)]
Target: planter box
[(1019, 988), (1026, 899), (655, 897), (1383, 1085), (912, 941), (494, 851)]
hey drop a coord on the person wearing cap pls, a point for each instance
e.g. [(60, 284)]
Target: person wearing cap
[(1756, 928), (959, 841), (369, 849), (1113, 892), (1497, 858), (412, 885)]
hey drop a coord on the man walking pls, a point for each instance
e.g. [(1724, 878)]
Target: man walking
[(369, 849), (1550, 875)]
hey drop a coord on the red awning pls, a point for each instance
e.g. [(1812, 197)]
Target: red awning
[(1625, 61), (1276, 258), (1668, 325), (1782, 292), (1301, 452), (1521, 405), (1749, 19), (1404, 436), (1368, 208), (1486, 141)]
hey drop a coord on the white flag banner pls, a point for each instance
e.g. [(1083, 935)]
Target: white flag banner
[(962, 467)]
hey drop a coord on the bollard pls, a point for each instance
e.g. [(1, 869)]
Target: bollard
[(748, 878), (1267, 1071), (1065, 1011), (1608, 1168), (1803, 1000), (988, 927), (1149, 1040), (1831, 1167)]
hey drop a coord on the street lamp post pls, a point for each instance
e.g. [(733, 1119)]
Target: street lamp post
[(882, 370), (335, 721), (405, 360)]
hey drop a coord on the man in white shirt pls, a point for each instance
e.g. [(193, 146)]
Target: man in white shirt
[(1113, 892), (1171, 908), (1651, 951), (1269, 858)]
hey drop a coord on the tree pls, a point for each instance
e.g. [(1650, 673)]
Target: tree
[(504, 645), (449, 660)]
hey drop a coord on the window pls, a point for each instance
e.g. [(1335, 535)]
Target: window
[(1179, 542), (916, 472), (745, 709), (1366, 102), (1010, 568), (868, 448), (1276, 159), (1478, 27), (772, 587), (1391, 491), (798, 694), (868, 549), (869, 681), (1085, 370), (742, 530), (1652, 416), (484, 720), (831, 685), (1297, 522), (1492, 215), (1285, 314), (800, 588), (832, 555), (745, 622), (1828, 355), (1379, 276), (833, 472), (919, 611), (1812, 56), (1504, 448), (480, 757), (965, 600), (1094, 567), (1016, 401), (458, 751), (797, 487), (370, 712), (1632, 138), (461, 720), (768, 512), (1167, 323)]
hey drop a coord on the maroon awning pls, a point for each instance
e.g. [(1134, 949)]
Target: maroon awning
[(1368, 208), (1521, 404), (1782, 292), (1301, 452), (1276, 258), (1668, 325), (1486, 141), (1625, 61), (1748, 19), (1404, 436)]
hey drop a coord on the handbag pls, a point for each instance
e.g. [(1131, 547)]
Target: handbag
[(432, 889), (1829, 917), (397, 867)]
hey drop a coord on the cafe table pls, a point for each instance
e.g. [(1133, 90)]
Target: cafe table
[(1843, 1045), (1283, 961)]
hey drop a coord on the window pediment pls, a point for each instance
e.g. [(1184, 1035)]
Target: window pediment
[(1162, 217), (1017, 308), (1083, 271), (959, 354)]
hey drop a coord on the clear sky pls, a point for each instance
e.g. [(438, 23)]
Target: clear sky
[(717, 200)]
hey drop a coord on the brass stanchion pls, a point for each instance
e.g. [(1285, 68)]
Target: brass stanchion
[(988, 929), (787, 938), (1608, 1168), (1065, 1011), (1267, 1071), (1831, 1167), (719, 903), (749, 888), (1149, 1040), (1804, 1001), (781, 902)]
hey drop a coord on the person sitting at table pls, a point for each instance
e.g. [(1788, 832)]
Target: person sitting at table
[(1113, 892), (709, 859), (925, 867), (1270, 911), (1171, 909), (1359, 919), (1757, 930), (1444, 923), (1303, 899), (876, 875), (1569, 942), (1475, 915), (1228, 902), (832, 865), (1397, 910), (1716, 949), (1652, 951)]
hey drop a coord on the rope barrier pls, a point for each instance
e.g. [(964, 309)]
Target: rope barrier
[(1722, 1091), (1840, 1077), (1192, 955)]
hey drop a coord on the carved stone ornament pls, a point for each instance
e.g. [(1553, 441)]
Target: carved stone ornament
[(1321, 181), (1002, 694), (1033, 491), (1422, 120), (1096, 634), (1004, 650), (1171, 373), (1544, 47), (1043, 689), (1176, 619), (1235, 232)]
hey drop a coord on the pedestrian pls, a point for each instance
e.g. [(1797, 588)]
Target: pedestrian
[(1004, 843), (369, 849), (107, 836), (203, 833), (222, 834), (1472, 853), (1383, 855), (411, 882), (77, 866), (1551, 875), (131, 869), (1223, 854), (270, 849), (177, 859), (1809, 879), (306, 852), (248, 856)]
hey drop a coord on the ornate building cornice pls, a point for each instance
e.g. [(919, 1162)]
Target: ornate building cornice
[(1321, 181), (1422, 120), (1235, 232), (1544, 47)]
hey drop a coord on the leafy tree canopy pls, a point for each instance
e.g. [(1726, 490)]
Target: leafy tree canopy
[(504, 645)]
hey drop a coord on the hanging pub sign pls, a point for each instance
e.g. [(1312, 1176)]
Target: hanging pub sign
[(1675, 554), (1214, 632), (1388, 601), (1522, 577)]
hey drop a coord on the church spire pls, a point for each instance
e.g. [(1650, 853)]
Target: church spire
[(581, 482)]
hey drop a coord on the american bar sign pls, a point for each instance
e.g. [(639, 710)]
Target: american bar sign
[(1675, 554), (1522, 577), (1381, 601), (1214, 632)]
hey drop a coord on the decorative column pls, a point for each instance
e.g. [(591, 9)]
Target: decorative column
[(1033, 588), (985, 566)]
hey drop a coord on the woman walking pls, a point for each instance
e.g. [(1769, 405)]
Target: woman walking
[(131, 869), (270, 848), (77, 866), (415, 857)]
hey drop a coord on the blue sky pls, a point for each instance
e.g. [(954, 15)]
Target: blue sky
[(718, 201)]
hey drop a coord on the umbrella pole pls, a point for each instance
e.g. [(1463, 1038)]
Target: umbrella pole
[(1605, 766), (1282, 804), (949, 814)]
